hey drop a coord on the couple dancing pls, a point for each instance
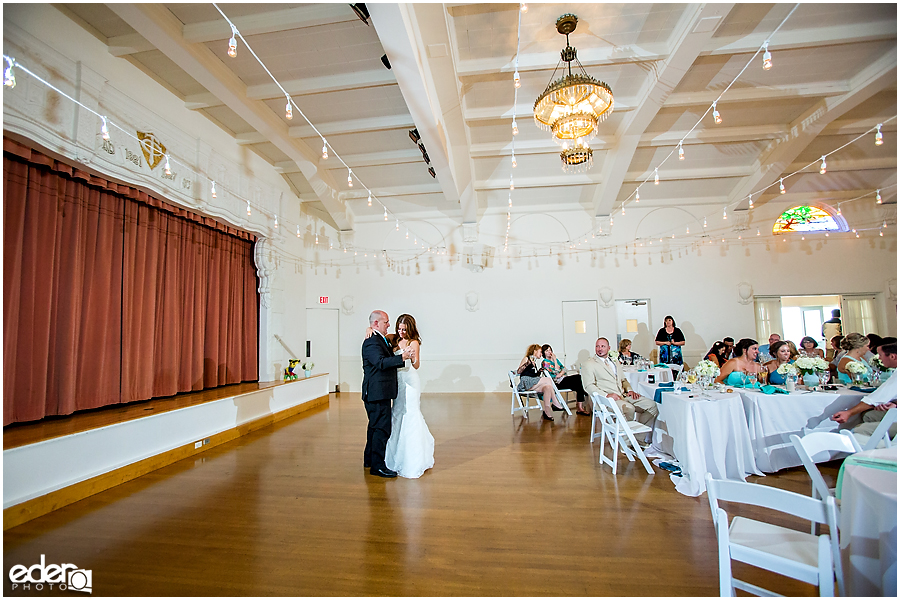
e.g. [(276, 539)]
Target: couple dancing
[(397, 439)]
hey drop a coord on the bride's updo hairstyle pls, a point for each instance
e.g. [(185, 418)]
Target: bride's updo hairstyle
[(411, 332), (854, 341), (741, 347)]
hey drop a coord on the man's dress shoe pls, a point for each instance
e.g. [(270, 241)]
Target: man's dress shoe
[(387, 473)]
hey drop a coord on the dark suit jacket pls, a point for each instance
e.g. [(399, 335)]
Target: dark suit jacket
[(379, 370)]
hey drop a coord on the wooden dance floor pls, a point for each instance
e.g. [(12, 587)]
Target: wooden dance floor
[(511, 508)]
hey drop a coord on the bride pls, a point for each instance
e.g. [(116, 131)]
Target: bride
[(410, 449)]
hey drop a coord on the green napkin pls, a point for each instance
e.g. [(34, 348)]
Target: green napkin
[(771, 389)]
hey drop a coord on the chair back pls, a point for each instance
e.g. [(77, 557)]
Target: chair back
[(512, 379), (812, 444), (764, 496), (882, 432), (615, 418)]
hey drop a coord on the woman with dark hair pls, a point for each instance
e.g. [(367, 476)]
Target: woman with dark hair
[(670, 339), (626, 356), (735, 371), (557, 371), (809, 346), (782, 354), (716, 354)]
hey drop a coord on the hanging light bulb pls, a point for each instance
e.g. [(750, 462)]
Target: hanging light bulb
[(370, 197), (516, 79), (515, 128), (879, 138), (317, 238), (324, 150), (716, 116), (248, 208), (168, 169), (514, 163), (751, 200), (637, 194), (349, 178), (757, 232), (385, 213), (104, 130), (822, 168), (276, 221), (656, 176), (687, 230), (288, 109), (611, 221), (802, 238), (781, 185), (839, 210), (725, 213), (9, 78), (407, 233), (523, 7), (397, 225), (298, 231), (512, 186), (673, 236), (880, 233), (212, 190), (623, 209), (767, 57), (510, 201), (680, 151), (704, 221), (857, 234), (232, 43)]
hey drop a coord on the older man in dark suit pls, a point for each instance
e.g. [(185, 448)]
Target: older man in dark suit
[(379, 388)]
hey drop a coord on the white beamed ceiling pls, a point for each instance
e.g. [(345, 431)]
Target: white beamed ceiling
[(834, 78)]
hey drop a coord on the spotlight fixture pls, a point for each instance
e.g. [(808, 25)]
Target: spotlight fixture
[(431, 172), (361, 11), (414, 136), (879, 138), (767, 57), (386, 62), (424, 153)]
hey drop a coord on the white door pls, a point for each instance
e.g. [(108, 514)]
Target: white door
[(580, 330), (322, 347)]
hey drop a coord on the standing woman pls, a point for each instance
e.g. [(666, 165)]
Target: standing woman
[(670, 340), (557, 371), (530, 379)]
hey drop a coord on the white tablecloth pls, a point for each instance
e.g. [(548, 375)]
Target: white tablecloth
[(706, 434), (869, 526), (636, 377), (773, 418)]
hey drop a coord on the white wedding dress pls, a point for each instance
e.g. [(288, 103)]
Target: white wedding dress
[(410, 449)]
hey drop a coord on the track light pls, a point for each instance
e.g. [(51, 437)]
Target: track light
[(516, 79), (716, 116), (879, 138), (104, 130), (288, 109), (656, 176), (232, 43), (822, 169), (680, 151), (767, 57), (212, 190), (877, 196), (781, 185)]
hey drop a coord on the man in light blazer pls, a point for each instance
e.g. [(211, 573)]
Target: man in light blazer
[(601, 374)]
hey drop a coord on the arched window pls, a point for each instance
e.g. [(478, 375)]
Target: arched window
[(806, 218)]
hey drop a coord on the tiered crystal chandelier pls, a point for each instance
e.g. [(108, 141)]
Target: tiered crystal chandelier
[(573, 106)]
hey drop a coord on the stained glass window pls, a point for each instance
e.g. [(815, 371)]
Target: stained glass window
[(805, 218)]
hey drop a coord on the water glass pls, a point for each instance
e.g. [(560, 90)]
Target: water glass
[(753, 379), (824, 376)]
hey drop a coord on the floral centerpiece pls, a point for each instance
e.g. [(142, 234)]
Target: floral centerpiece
[(882, 372), (857, 369), (613, 355), (810, 367), (307, 366), (876, 363), (707, 368), (787, 369)]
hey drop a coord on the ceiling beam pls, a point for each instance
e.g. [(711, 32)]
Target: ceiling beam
[(812, 37), (159, 26), (385, 123), (774, 161), (694, 29)]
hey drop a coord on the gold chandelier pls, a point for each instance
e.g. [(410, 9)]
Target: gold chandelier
[(573, 106)]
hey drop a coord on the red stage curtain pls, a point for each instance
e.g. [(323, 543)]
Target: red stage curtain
[(110, 295)]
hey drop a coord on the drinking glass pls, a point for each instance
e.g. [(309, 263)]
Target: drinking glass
[(763, 376), (753, 379), (824, 376)]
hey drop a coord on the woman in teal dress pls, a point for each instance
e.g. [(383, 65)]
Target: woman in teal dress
[(856, 346), (782, 353), (737, 370)]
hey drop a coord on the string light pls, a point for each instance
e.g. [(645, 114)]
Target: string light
[(9, 78), (407, 233), (276, 221), (397, 225), (767, 56), (349, 178), (324, 149), (516, 79), (611, 222), (512, 186), (687, 230), (751, 200), (317, 238), (288, 109), (704, 221), (725, 213), (515, 128), (232, 43), (656, 176), (680, 151), (514, 163), (385, 213), (212, 190), (370, 197), (857, 234), (104, 130), (757, 232), (839, 210), (524, 7), (716, 116), (298, 234), (822, 168), (877, 196), (623, 208), (879, 138), (637, 194), (168, 169), (248, 208)]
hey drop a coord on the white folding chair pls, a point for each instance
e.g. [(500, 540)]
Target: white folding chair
[(618, 432), (788, 552), (521, 400), (882, 432), (559, 393), (819, 445)]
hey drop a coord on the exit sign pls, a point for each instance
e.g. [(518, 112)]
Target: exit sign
[(323, 299)]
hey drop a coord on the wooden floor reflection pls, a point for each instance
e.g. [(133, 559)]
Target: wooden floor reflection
[(511, 508)]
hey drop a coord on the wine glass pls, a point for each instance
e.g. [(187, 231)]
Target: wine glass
[(824, 376), (753, 379)]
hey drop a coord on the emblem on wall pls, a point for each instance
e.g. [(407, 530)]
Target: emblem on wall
[(152, 148)]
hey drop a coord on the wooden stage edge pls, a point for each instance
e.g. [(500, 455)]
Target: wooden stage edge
[(36, 507)]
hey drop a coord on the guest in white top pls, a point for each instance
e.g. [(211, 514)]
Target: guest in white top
[(601, 374), (878, 402)]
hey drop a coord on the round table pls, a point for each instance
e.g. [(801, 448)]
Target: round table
[(867, 487)]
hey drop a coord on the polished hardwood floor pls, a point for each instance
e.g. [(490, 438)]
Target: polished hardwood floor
[(511, 508)]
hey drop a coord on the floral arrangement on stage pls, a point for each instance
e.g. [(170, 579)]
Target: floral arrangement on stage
[(808, 365), (856, 368), (706, 368), (787, 369), (308, 365)]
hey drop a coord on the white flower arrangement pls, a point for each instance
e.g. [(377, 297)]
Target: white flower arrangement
[(613, 355), (706, 368), (787, 369), (856, 367), (876, 362), (307, 365), (810, 364)]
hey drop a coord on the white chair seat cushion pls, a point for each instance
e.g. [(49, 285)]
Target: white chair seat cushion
[(787, 543)]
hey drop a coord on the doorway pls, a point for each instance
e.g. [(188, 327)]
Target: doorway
[(323, 343), (803, 316), (580, 331), (633, 323)]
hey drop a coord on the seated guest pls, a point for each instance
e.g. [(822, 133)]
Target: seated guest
[(716, 354), (874, 342), (530, 379), (856, 345), (557, 371), (810, 347), (766, 348), (834, 353), (735, 371), (601, 375), (729, 347), (878, 402), (782, 354), (626, 356), (794, 353)]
